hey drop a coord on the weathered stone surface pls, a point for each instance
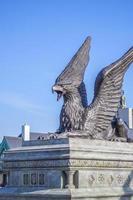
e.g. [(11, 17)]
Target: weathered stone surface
[(74, 169)]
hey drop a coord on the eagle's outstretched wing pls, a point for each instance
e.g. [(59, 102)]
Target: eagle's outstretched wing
[(74, 71), (73, 74), (107, 95)]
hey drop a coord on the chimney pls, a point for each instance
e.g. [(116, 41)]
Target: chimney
[(26, 132)]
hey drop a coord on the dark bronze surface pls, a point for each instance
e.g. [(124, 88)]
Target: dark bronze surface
[(98, 119)]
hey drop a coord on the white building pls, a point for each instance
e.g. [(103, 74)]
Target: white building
[(127, 115)]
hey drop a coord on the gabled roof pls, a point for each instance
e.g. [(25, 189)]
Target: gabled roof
[(9, 142), (13, 141)]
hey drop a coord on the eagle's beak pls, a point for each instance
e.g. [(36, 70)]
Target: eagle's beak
[(59, 90)]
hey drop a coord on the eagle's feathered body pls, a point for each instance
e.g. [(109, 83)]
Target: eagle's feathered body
[(71, 113), (96, 119)]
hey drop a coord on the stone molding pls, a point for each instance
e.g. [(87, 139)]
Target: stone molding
[(69, 163)]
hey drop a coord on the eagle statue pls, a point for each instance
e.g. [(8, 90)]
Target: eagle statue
[(98, 120)]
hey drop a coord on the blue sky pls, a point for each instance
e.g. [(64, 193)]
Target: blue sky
[(37, 40)]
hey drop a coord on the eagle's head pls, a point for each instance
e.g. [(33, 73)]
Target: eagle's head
[(63, 90)]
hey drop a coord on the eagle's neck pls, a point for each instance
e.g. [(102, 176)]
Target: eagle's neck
[(71, 113)]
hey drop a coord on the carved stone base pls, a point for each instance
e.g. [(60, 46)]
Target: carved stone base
[(69, 168)]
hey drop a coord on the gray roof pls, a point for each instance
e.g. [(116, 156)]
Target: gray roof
[(35, 136), (13, 142), (130, 133)]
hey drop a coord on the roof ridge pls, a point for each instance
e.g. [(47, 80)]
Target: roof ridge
[(13, 137)]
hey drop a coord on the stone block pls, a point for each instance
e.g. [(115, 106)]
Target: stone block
[(78, 168)]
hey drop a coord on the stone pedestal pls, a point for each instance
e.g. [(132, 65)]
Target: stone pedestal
[(69, 168)]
